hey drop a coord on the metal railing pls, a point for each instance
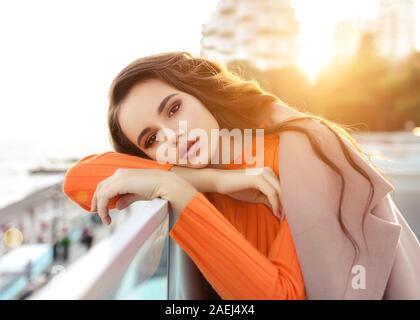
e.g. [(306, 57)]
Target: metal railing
[(138, 261)]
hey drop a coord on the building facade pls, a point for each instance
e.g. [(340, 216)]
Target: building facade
[(396, 28), (393, 31), (348, 35), (260, 31)]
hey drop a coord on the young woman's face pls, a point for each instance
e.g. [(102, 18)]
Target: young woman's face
[(154, 105)]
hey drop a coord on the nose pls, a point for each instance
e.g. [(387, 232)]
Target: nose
[(173, 135)]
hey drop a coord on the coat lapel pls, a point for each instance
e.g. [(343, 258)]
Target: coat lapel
[(310, 195)]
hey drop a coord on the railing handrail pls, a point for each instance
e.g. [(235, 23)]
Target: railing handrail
[(99, 270)]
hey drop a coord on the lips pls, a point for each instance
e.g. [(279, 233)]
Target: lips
[(190, 143)]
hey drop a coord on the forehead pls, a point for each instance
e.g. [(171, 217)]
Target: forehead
[(138, 109)]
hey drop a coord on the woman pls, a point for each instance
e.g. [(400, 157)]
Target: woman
[(346, 238)]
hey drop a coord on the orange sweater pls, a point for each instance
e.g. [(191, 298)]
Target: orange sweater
[(241, 248)]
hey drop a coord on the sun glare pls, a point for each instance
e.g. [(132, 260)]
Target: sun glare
[(317, 21)]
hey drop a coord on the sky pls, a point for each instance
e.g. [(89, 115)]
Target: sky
[(58, 58)]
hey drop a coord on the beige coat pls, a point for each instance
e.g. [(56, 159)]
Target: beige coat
[(388, 266)]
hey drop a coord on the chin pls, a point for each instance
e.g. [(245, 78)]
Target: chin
[(192, 165), (198, 161), (197, 165)]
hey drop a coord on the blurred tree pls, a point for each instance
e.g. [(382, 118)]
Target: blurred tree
[(357, 91), (288, 83), (365, 91), (405, 88)]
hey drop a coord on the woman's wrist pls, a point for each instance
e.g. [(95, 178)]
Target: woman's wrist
[(178, 192), (204, 180)]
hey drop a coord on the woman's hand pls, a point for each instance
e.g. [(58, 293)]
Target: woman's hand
[(263, 187), (141, 184)]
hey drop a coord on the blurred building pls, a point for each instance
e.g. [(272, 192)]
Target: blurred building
[(393, 31), (396, 28), (260, 31), (348, 34)]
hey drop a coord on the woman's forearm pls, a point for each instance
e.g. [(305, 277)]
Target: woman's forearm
[(82, 178), (204, 180)]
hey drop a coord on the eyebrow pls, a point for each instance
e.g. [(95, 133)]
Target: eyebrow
[(159, 111)]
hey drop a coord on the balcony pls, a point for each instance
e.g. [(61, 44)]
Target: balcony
[(138, 261)]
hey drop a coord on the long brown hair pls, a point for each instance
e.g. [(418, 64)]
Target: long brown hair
[(234, 102)]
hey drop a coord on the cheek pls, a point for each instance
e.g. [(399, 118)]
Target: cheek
[(151, 154), (191, 115), (160, 153), (199, 118)]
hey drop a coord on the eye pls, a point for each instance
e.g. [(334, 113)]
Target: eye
[(174, 109), (150, 140)]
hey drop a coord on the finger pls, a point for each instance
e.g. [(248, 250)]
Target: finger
[(102, 204), (282, 214), (272, 178), (262, 198), (107, 192), (271, 195), (127, 200), (93, 202)]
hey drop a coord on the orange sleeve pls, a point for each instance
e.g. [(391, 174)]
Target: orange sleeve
[(230, 263), (81, 178)]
